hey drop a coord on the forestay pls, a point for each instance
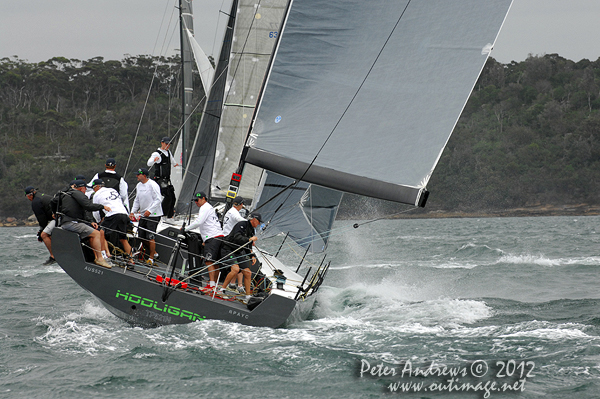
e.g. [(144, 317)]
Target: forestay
[(363, 95)]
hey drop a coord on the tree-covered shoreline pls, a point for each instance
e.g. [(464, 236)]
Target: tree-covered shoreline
[(65, 117), (529, 135)]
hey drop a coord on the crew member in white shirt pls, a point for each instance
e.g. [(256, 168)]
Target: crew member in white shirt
[(116, 221), (148, 204), (162, 160), (114, 180), (211, 232), (232, 217)]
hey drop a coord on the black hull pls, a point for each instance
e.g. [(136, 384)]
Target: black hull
[(136, 298)]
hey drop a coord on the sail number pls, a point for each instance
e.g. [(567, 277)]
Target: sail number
[(273, 35)]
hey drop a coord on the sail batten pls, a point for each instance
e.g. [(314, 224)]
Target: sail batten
[(377, 105), (256, 29)]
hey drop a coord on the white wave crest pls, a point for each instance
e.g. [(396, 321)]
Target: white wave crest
[(529, 259)]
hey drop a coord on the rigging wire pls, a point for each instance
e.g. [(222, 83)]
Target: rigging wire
[(233, 74), (150, 87), (353, 98)]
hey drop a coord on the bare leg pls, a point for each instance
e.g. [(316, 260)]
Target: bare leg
[(234, 272), (247, 280), (212, 272), (96, 244), (48, 242), (104, 243), (126, 246), (152, 248)]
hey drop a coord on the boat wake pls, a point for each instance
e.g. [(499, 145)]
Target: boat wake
[(385, 303), (90, 330)]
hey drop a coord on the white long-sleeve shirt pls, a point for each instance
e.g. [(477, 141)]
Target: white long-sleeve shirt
[(232, 217), (123, 188), (156, 154), (148, 198), (111, 198), (207, 223)]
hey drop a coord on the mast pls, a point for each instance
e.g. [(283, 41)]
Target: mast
[(185, 20), (204, 145)]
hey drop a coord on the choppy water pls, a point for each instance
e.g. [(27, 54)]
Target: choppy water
[(454, 292)]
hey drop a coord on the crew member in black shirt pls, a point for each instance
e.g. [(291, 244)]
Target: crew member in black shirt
[(236, 251), (40, 204), (162, 160)]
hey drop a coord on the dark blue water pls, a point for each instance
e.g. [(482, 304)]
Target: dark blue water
[(518, 295)]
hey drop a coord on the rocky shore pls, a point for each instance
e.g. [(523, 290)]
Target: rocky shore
[(535, 210), (14, 222)]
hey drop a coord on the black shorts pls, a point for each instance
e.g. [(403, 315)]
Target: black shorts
[(237, 258), (117, 224), (147, 227), (212, 249)]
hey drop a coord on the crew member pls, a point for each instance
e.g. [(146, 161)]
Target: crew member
[(162, 160), (147, 203), (116, 221), (73, 205), (114, 180), (233, 217), (211, 232), (237, 251), (40, 205)]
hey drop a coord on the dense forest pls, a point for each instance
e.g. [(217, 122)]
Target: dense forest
[(529, 134), (65, 117)]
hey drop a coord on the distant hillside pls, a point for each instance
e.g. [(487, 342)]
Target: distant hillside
[(529, 135), (65, 117)]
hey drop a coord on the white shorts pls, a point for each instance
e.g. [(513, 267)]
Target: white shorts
[(49, 227)]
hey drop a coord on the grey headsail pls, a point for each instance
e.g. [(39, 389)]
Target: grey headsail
[(362, 96), (304, 211)]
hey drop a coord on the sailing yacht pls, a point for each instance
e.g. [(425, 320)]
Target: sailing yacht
[(308, 100)]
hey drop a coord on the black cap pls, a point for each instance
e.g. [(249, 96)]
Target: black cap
[(255, 215), (198, 195), (238, 200), (78, 183), (97, 182), (165, 140), (80, 177), (29, 190), (142, 171), (111, 162)]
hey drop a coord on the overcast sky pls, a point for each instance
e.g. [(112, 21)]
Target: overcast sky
[(37, 30)]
